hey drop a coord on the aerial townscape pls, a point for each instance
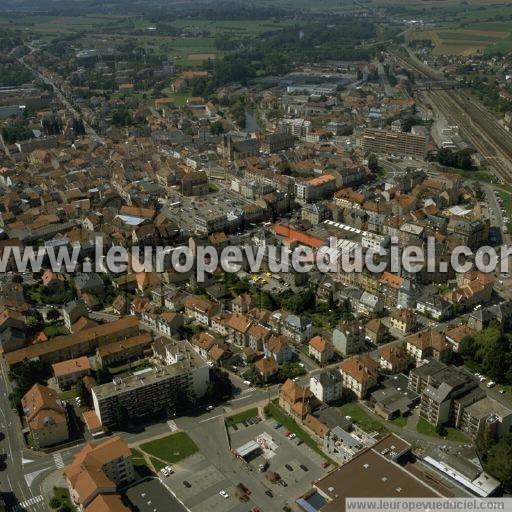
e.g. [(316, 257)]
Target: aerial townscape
[(322, 131)]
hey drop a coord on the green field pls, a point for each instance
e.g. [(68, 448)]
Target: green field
[(426, 428), (465, 36), (157, 464), (231, 27), (238, 418), (361, 418), (172, 448)]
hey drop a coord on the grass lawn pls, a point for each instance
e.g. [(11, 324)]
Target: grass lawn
[(157, 464), (289, 424), (361, 418), (179, 98), (401, 421), (238, 418), (426, 428), (137, 457), (172, 448), (70, 394), (477, 174), (63, 495)]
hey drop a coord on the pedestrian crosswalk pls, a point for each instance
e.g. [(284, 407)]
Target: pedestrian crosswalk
[(57, 457), (172, 425), (26, 504)]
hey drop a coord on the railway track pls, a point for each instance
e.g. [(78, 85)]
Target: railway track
[(479, 126)]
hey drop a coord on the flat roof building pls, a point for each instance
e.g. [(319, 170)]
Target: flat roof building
[(153, 390)]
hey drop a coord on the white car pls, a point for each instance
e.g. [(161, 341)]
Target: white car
[(482, 379), (491, 384), (169, 469), (247, 382), (209, 407), (292, 436), (224, 494), (165, 472)]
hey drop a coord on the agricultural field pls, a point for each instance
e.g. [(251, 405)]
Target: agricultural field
[(473, 39)]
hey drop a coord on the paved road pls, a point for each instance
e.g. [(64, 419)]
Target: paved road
[(12, 478), (88, 128), (25, 470)]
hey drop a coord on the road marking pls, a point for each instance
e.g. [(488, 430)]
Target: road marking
[(172, 425), (212, 418), (28, 503), (241, 398), (26, 461), (29, 477), (57, 457)]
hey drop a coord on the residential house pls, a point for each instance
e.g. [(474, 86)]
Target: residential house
[(455, 335), (297, 328), (97, 474), (320, 349), (267, 367), (45, 415), (349, 338), (295, 399), (327, 385), (201, 310), (359, 374), (403, 320), (242, 303), (69, 372), (277, 347), (257, 336), (376, 331), (393, 358), (428, 343)]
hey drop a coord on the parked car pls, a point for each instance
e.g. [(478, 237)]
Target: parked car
[(224, 494)]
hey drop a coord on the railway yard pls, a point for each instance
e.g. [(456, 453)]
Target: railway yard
[(482, 130)]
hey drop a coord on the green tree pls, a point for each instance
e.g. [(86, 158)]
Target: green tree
[(441, 431), (499, 461), (25, 375), (55, 502), (216, 128), (53, 314), (373, 163)]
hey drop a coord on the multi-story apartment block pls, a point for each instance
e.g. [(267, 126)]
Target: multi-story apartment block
[(315, 189), (71, 346), (439, 385), (389, 142), (153, 390)]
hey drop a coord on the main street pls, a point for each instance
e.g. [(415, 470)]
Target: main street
[(62, 98)]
